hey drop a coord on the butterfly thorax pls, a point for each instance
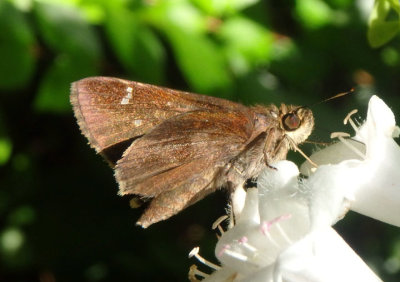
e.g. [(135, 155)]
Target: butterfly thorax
[(276, 131)]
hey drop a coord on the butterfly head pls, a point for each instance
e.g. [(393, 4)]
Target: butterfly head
[(296, 121)]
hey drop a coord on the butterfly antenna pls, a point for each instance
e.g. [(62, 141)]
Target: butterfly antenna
[(335, 96)]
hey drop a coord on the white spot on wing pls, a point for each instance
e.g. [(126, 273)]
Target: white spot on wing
[(128, 96), (124, 101), (138, 122)]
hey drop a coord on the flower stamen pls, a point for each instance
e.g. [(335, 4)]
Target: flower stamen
[(217, 224), (194, 271), (243, 241), (195, 253), (341, 136), (283, 233), (349, 120), (266, 225), (222, 251), (234, 254)]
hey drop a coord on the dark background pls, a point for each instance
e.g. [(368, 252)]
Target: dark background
[(60, 216)]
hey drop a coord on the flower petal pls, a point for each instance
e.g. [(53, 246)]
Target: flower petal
[(322, 256)]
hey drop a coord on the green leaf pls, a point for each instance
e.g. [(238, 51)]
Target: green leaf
[(11, 241), (17, 44), (221, 7), (22, 215), (64, 30), (5, 150), (395, 4), (53, 93), (138, 49), (94, 11), (380, 33), (247, 43), (381, 29), (314, 13), (390, 56), (200, 60), (179, 13), (77, 49)]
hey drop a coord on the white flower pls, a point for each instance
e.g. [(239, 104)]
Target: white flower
[(272, 219), (274, 240), (284, 231), (370, 186)]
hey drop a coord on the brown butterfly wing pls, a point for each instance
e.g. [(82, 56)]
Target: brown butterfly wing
[(177, 161), (111, 110), (180, 139)]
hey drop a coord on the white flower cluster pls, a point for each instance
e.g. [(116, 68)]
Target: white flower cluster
[(284, 231)]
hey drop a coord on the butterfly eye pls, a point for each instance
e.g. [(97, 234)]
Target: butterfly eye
[(291, 121)]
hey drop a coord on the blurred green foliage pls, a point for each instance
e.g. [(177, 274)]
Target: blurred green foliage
[(60, 216), (384, 22)]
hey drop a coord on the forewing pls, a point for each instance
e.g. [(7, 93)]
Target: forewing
[(111, 110), (181, 149)]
